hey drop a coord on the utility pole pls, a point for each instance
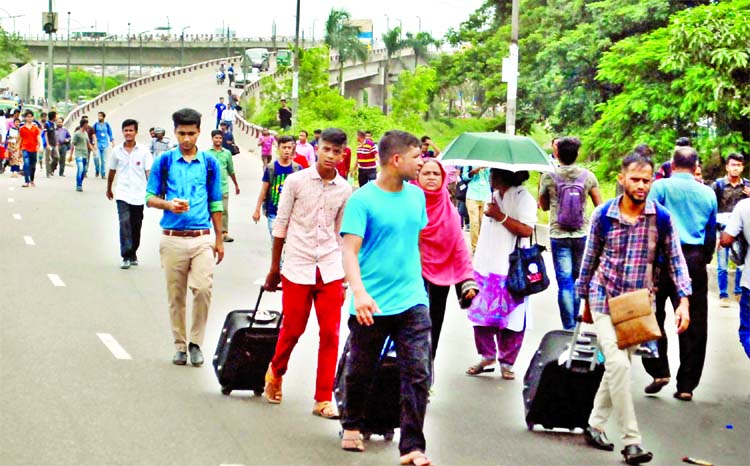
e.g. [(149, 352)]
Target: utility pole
[(67, 66), (50, 55), (295, 72), (512, 78), (128, 50)]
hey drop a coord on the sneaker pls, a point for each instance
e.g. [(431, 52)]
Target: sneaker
[(196, 355), (125, 264), (79, 189), (228, 239), (738, 297), (133, 262), (724, 302)]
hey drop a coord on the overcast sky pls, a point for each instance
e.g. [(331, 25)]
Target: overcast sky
[(250, 18)]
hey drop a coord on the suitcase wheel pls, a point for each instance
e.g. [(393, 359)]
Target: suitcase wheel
[(258, 392), (226, 390)]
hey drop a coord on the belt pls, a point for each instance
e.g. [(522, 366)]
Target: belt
[(186, 233)]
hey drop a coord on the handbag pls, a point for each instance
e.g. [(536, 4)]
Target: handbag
[(527, 273), (632, 313), (234, 149)]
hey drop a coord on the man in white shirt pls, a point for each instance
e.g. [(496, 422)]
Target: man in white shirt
[(131, 162), (228, 116), (305, 149)]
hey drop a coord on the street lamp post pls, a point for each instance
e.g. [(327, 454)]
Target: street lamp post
[(313, 30), (128, 50), (295, 72), (419, 29), (104, 54), (67, 66), (50, 60), (182, 46), (510, 109)]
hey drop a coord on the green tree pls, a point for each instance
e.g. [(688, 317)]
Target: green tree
[(411, 95), (11, 49), (343, 38), (393, 43), (420, 43), (690, 78), (82, 83)]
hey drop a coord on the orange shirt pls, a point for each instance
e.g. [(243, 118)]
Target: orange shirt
[(29, 138)]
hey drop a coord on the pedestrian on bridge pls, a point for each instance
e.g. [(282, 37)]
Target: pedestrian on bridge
[(51, 152), (104, 141), (62, 137), (80, 151), (381, 228), (218, 110), (224, 157), (307, 229), (624, 236), (284, 115), (130, 163), (186, 184), (272, 184), (267, 144)]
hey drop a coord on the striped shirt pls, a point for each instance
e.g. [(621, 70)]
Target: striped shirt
[(366, 154), (621, 257), (309, 217)]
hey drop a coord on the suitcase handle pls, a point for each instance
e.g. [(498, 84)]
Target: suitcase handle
[(576, 333), (257, 307)]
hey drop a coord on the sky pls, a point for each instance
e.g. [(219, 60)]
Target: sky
[(249, 18)]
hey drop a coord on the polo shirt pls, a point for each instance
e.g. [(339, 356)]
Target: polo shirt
[(188, 181), (693, 207), (224, 157), (307, 151), (131, 171)]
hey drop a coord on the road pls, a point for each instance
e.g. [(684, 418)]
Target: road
[(68, 400)]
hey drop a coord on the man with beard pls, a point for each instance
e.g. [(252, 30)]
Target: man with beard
[(620, 237)]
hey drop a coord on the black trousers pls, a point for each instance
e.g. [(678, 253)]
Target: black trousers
[(366, 175), (131, 219), (438, 296), (693, 340)]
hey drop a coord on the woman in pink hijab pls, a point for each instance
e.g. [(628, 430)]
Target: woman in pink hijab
[(445, 257)]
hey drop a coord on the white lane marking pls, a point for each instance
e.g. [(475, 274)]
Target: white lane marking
[(113, 346), (29, 241), (55, 279), (11, 200), (17, 216)]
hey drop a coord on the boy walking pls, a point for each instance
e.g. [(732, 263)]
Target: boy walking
[(224, 157), (131, 163), (381, 228), (309, 217), (274, 176)]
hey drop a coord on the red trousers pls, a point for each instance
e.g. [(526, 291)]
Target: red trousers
[(296, 301)]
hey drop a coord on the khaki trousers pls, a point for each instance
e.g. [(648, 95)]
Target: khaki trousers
[(225, 215), (188, 262), (614, 391), (476, 210)]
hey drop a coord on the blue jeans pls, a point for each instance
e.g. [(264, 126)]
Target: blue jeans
[(29, 166), (567, 254), (100, 160), (744, 331), (271, 218), (81, 165), (410, 331), (722, 276)]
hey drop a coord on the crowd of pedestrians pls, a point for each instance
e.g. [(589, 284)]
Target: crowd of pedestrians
[(398, 243)]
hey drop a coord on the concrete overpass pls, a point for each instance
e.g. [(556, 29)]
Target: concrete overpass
[(148, 50)]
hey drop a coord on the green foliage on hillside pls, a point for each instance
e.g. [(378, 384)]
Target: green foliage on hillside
[(10, 47), (82, 83)]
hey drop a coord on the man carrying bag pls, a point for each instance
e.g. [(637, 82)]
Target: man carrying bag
[(619, 259)]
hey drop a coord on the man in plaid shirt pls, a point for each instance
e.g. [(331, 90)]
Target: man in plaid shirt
[(615, 262)]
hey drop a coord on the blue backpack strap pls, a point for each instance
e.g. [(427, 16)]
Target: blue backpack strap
[(165, 160), (605, 223)]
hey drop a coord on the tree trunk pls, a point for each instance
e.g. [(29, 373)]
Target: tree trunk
[(385, 84)]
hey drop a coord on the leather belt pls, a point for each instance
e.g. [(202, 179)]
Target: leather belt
[(186, 233)]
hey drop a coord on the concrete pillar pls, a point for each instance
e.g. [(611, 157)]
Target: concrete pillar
[(375, 95)]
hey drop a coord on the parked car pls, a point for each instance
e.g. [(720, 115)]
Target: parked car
[(255, 58)]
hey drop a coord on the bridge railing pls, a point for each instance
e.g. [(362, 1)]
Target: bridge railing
[(82, 109)]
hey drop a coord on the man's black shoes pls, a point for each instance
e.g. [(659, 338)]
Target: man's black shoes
[(597, 439), (196, 355), (634, 454)]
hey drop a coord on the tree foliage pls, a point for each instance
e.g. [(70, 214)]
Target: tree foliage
[(10, 48), (412, 95), (420, 43), (343, 38), (82, 83), (690, 78), (393, 43)]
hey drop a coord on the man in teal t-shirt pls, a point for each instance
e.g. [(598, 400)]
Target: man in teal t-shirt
[(224, 157), (381, 227)]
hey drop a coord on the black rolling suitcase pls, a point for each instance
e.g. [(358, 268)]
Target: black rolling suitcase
[(383, 406), (246, 346), (562, 380)]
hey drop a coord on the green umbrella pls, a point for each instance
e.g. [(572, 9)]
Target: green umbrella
[(497, 150)]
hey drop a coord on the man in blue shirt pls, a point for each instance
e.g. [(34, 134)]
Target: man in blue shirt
[(104, 140), (186, 184), (219, 109), (381, 227), (693, 207)]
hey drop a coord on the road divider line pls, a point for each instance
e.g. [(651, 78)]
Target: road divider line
[(113, 346), (55, 279), (29, 241), (17, 216)]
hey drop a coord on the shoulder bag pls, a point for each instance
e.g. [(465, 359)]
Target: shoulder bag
[(527, 273)]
